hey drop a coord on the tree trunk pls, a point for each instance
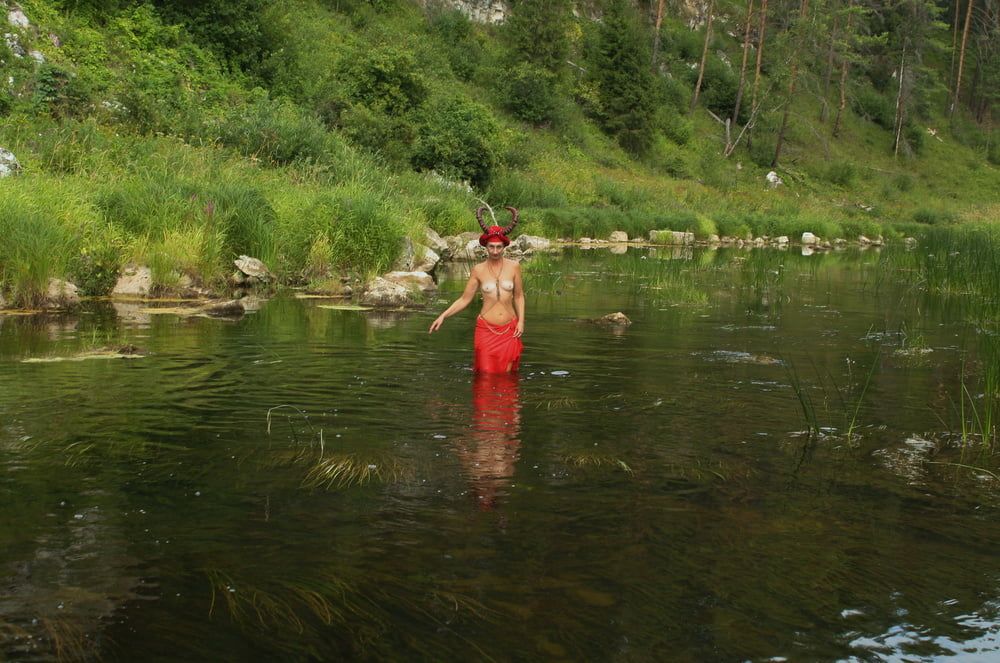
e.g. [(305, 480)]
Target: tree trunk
[(704, 55), (761, 24), (845, 63), (824, 113), (961, 58), (899, 103), (954, 46), (656, 31), (743, 66), (803, 8)]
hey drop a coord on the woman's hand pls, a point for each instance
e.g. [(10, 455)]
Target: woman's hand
[(519, 330), (436, 325)]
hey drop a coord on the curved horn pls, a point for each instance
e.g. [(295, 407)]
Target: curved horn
[(479, 218), (514, 220)]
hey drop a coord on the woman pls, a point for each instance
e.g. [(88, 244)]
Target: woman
[(497, 345)]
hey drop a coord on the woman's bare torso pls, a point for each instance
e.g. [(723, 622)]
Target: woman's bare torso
[(496, 289)]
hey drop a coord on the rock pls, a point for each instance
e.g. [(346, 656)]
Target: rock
[(809, 239), (618, 236), (839, 241), (713, 239), (54, 38), (14, 44), (618, 249), (773, 181), (670, 237), (585, 240), (878, 241), (61, 294), (253, 268), (458, 246), (17, 18), (530, 243), (807, 250), (414, 279), (434, 241), (37, 56), (384, 293), (617, 318), (759, 242), (910, 242), (863, 240), (414, 257), (782, 240), (8, 163), (230, 309), (134, 281)]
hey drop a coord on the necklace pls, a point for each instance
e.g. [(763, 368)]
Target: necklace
[(496, 277)]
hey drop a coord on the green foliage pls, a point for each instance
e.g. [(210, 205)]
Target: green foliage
[(388, 136), (230, 28), (274, 131), (459, 139), (96, 268), (538, 31), (530, 93), (933, 217), (513, 188), (60, 92), (624, 82), (841, 173), (667, 158), (674, 126), (458, 42), (874, 107), (385, 79)]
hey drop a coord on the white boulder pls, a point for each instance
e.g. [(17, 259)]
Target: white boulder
[(61, 294), (9, 164), (809, 239), (618, 236), (416, 279), (134, 281), (772, 179), (384, 293)]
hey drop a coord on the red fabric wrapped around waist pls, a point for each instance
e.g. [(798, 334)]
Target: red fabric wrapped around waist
[(495, 348)]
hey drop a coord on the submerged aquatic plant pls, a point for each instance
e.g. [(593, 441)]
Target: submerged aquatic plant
[(345, 470), (598, 460)]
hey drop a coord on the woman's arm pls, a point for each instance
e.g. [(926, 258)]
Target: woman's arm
[(458, 304), (518, 300)]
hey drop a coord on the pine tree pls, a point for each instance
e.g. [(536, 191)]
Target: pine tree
[(624, 81), (538, 32)]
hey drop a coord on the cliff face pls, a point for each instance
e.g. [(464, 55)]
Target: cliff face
[(496, 11)]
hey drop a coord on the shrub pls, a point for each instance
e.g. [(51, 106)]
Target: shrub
[(903, 182), (675, 126), (841, 173), (666, 157), (459, 139), (390, 137), (874, 107), (529, 93), (934, 217), (457, 39), (386, 79), (273, 131)]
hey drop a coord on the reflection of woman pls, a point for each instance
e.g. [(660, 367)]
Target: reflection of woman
[(500, 323), (489, 456)]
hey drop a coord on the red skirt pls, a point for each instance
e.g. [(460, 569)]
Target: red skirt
[(496, 349)]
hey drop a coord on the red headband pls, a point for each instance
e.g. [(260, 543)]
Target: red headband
[(496, 232)]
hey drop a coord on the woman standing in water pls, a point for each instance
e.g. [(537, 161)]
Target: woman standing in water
[(500, 324)]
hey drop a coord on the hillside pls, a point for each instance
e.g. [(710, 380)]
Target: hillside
[(315, 135)]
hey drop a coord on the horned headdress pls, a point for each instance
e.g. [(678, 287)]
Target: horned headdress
[(496, 233)]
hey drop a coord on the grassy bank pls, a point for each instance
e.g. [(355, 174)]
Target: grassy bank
[(144, 138)]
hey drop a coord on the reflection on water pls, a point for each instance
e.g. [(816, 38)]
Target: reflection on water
[(657, 497), (490, 453)]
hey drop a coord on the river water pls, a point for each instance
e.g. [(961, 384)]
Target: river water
[(766, 465)]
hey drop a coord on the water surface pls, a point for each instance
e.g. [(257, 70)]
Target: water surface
[(316, 484)]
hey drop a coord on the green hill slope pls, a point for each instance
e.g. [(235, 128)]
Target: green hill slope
[(315, 135)]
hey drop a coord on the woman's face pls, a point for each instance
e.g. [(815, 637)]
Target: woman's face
[(494, 249)]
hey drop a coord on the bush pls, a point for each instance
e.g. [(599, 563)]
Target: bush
[(385, 79), (667, 158), (874, 107), (390, 137), (96, 268), (459, 139), (530, 93), (458, 42), (934, 217), (841, 173), (273, 131), (674, 126), (903, 182)]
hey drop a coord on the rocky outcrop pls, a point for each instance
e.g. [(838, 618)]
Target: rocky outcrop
[(478, 11)]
